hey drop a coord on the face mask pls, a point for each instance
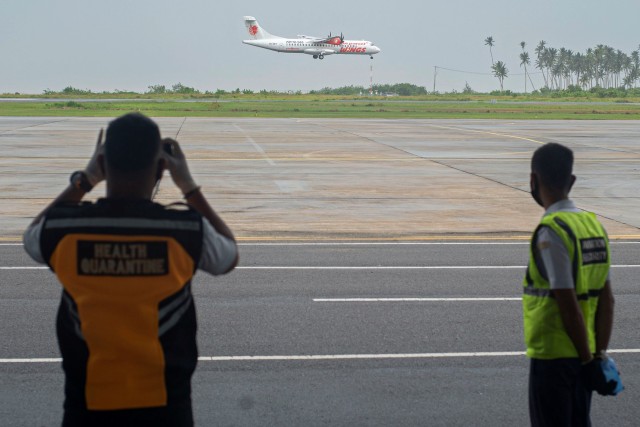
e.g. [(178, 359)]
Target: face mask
[(535, 191)]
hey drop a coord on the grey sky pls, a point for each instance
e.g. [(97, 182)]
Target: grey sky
[(131, 44)]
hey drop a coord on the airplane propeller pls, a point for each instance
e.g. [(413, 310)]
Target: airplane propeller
[(341, 37)]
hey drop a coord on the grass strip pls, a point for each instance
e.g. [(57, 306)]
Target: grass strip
[(375, 109)]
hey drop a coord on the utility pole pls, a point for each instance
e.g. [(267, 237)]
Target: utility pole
[(435, 73)]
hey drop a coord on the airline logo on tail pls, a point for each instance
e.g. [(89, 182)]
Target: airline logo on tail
[(317, 47)]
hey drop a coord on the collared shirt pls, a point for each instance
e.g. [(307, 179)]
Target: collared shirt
[(553, 252)]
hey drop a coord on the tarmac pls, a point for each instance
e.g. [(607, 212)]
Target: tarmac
[(336, 334), (327, 179), (380, 273)]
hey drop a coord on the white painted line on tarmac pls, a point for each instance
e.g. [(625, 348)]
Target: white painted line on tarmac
[(361, 356), (523, 243), (304, 357), (474, 243), (257, 147), (412, 299), (33, 360), (372, 267), (626, 266), (506, 135), (406, 267), (383, 267), (383, 243)]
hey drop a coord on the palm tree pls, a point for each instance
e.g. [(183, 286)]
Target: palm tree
[(524, 61), (501, 72), (548, 59), (590, 67), (577, 66), (622, 63), (556, 73), (631, 77), (489, 42), (566, 67), (539, 62), (635, 67), (599, 67), (601, 64)]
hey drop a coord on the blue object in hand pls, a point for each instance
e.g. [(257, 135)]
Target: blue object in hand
[(601, 375), (610, 371)]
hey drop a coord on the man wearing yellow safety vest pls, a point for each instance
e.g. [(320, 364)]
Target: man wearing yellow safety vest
[(567, 300)]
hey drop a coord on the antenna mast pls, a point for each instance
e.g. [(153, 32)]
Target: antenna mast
[(435, 73), (371, 78)]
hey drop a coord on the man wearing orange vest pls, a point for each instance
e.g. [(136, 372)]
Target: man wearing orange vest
[(126, 323)]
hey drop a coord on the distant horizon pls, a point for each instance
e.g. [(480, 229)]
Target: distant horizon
[(127, 46), (76, 91)]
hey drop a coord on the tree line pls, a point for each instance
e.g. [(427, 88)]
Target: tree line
[(599, 67), (401, 89)]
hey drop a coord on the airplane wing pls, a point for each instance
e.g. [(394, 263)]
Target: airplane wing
[(334, 40)]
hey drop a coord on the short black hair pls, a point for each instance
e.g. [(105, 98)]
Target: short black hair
[(553, 163), (132, 143)]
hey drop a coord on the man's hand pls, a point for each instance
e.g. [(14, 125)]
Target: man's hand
[(595, 379), (177, 164), (93, 170)]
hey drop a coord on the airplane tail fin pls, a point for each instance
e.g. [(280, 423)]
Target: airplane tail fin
[(255, 30)]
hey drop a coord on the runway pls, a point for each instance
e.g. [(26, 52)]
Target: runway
[(339, 179), (381, 266), (282, 346)]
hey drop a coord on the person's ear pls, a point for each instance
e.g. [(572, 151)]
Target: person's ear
[(573, 181)]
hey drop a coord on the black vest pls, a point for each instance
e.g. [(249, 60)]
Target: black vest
[(126, 323)]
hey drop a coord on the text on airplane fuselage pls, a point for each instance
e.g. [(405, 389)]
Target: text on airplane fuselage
[(353, 49)]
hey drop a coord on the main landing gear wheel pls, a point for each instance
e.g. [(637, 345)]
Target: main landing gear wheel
[(321, 56), (315, 56)]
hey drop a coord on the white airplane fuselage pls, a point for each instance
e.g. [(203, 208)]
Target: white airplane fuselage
[(301, 45), (314, 46)]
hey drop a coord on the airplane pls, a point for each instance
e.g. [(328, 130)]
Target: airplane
[(318, 47)]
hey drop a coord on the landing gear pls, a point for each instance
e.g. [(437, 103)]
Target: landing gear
[(371, 56), (321, 56), (315, 56)]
